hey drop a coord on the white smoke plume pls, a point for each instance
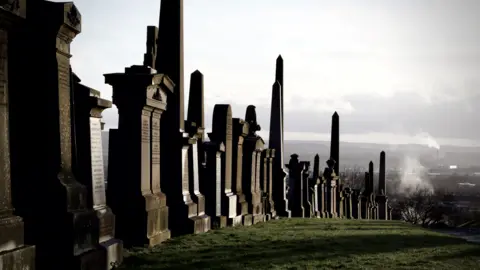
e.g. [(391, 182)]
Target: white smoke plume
[(414, 175)]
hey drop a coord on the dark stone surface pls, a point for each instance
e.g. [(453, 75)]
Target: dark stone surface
[(222, 131), (306, 198), (335, 141), (276, 142), (240, 131), (134, 163), (295, 170), (211, 187), (57, 217)]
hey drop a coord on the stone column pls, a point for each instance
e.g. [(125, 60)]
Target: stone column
[(240, 131), (382, 200), (141, 97), (364, 200), (335, 142), (222, 131), (89, 167), (263, 183), (212, 184), (14, 254), (371, 190)]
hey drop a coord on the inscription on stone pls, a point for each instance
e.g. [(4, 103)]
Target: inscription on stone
[(145, 153), (155, 152), (98, 175), (218, 184), (64, 104), (185, 170)]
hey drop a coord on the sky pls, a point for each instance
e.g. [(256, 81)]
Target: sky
[(395, 71)]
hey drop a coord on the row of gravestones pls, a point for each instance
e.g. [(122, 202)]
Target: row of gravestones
[(164, 178), (312, 194)]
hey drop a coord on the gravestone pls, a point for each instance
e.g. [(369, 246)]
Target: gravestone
[(319, 188), (295, 169), (253, 146), (371, 191), (330, 178), (195, 127), (270, 202), (263, 182), (14, 254), (364, 200), (240, 131), (355, 204), (55, 207), (211, 185), (275, 141), (141, 97), (307, 206), (89, 166), (222, 131), (347, 203), (381, 197)]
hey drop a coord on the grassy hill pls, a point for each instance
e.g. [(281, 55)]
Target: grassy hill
[(311, 244)]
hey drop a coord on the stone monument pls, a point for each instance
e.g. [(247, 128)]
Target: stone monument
[(381, 197), (14, 254), (240, 131)]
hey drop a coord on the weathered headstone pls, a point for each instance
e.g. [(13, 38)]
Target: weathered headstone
[(263, 182), (240, 131), (222, 132), (330, 179), (211, 185), (347, 203), (371, 191), (270, 202), (141, 97), (55, 205), (253, 146), (295, 169), (364, 212), (14, 254), (89, 166), (381, 197), (319, 189), (307, 205), (355, 199)]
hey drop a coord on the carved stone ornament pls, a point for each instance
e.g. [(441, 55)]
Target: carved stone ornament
[(73, 16)]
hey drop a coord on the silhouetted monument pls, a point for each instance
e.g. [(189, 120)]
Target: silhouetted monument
[(45, 191), (335, 142), (88, 163), (14, 254), (307, 206), (211, 186), (134, 159), (319, 189), (330, 179), (295, 170), (240, 131), (275, 141), (222, 132), (253, 146), (381, 197)]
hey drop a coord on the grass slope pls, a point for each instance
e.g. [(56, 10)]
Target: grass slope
[(311, 244)]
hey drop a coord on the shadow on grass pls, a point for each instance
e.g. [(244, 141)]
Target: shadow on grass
[(235, 254)]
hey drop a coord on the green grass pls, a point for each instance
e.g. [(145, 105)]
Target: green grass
[(311, 244)]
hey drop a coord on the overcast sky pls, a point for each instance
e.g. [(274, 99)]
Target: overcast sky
[(394, 70)]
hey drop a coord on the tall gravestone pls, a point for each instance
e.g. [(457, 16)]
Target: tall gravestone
[(14, 254), (295, 168), (335, 142), (371, 191), (184, 217), (195, 126), (89, 166), (253, 146), (134, 179), (331, 180), (319, 189), (263, 181), (275, 141), (240, 131), (211, 185), (222, 131), (270, 209), (307, 205), (364, 212), (382, 190), (58, 219)]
